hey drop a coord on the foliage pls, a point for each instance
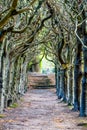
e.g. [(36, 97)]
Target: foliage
[(55, 29)]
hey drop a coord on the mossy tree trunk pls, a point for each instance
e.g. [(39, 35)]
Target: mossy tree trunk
[(11, 82), (1, 68), (57, 79), (23, 76), (62, 93), (83, 105), (70, 86), (17, 77), (4, 71), (77, 73)]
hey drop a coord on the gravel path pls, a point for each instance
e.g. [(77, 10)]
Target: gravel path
[(40, 109)]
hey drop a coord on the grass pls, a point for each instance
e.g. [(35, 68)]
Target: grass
[(70, 107), (21, 99), (2, 115), (82, 124), (14, 105), (85, 124)]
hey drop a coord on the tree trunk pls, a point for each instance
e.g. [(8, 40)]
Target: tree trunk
[(11, 83), (83, 106), (6, 78), (1, 70), (23, 76), (77, 74), (70, 86), (17, 78), (57, 79), (2, 74), (62, 93)]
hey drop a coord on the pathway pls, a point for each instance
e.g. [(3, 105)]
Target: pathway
[(40, 109)]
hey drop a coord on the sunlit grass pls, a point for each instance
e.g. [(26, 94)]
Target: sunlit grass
[(70, 106), (2, 115), (14, 105), (21, 99)]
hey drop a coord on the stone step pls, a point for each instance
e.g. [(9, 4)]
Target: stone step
[(38, 80)]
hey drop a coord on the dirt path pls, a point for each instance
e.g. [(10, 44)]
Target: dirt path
[(41, 110)]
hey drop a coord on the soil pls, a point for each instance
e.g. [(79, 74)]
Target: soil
[(39, 109)]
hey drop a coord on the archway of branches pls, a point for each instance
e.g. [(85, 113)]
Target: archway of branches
[(33, 29)]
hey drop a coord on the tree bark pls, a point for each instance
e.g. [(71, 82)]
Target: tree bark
[(77, 73), (2, 74), (83, 106), (62, 93), (70, 86)]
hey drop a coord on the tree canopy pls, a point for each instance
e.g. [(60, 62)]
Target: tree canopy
[(50, 28)]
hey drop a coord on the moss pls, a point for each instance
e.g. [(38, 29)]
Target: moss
[(21, 99), (85, 124), (2, 115), (14, 105), (82, 124), (70, 106)]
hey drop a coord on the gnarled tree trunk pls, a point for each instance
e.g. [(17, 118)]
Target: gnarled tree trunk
[(77, 73)]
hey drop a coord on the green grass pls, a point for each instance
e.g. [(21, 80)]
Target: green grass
[(2, 115), (85, 124), (70, 106), (82, 124), (21, 99), (14, 105)]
